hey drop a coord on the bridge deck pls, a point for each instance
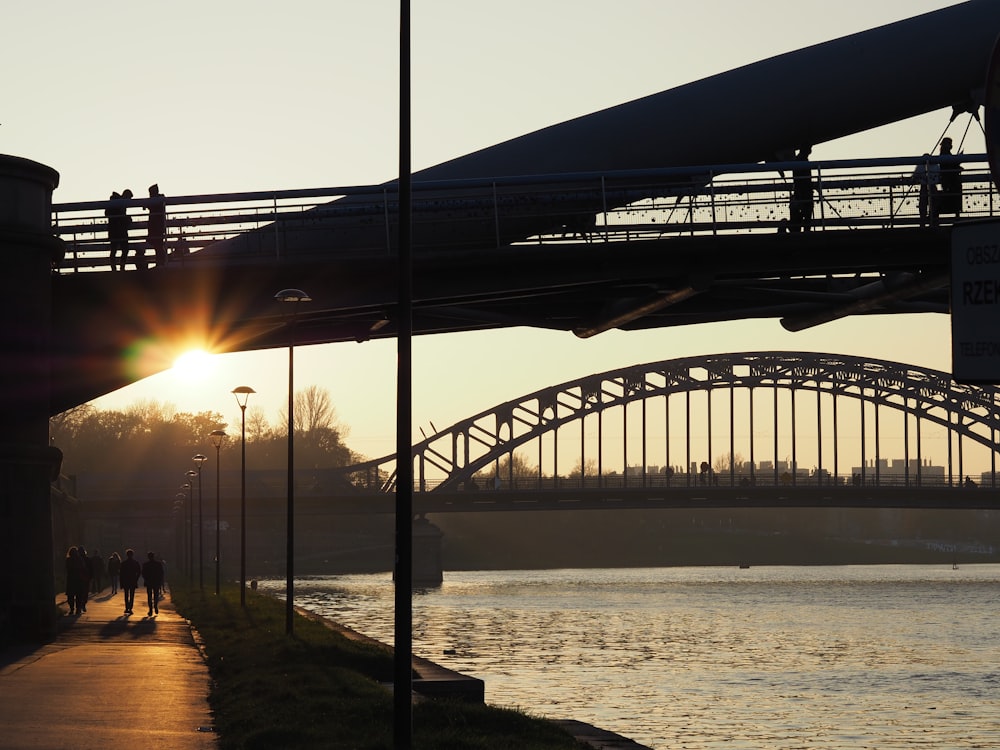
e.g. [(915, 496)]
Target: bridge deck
[(571, 253)]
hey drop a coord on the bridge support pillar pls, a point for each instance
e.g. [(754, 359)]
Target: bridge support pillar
[(27, 463), (427, 567)]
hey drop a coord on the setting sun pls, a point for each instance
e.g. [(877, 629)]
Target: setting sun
[(196, 364)]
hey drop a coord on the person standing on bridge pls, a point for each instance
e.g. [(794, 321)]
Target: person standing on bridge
[(949, 199), (156, 227), (800, 209), (117, 230), (926, 178)]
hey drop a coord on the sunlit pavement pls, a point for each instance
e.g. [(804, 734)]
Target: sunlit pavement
[(108, 680)]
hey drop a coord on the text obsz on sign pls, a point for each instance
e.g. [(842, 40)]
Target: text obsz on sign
[(975, 302)]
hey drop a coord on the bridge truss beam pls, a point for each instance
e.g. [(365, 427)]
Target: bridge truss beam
[(702, 413)]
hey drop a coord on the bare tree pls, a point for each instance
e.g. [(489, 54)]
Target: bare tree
[(258, 428), (589, 469)]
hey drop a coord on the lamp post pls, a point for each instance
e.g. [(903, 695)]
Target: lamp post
[(242, 394), (199, 460), (292, 297), (188, 488), (217, 437), (178, 517), (182, 498)]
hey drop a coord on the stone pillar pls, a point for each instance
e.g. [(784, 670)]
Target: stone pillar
[(427, 567), (27, 463)]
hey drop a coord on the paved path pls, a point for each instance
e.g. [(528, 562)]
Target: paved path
[(108, 681)]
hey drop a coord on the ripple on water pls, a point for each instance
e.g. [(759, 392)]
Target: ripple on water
[(704, 658)]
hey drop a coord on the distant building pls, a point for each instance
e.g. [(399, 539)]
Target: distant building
[(900, 471)]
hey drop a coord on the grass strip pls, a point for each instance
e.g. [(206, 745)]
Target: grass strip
[(318, 689)]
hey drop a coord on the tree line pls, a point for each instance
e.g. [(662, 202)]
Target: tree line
[(152, 432)]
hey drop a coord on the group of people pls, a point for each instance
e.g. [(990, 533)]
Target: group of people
[(119, 223), (939, 180), (940, 185), (84, 572)]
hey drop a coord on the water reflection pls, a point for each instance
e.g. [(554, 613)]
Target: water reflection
[(840, 657)]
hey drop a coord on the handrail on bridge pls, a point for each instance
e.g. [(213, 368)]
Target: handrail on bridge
[(632, 205)]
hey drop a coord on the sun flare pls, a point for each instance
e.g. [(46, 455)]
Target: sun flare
[(194, 365)]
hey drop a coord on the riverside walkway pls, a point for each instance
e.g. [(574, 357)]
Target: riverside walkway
[(113, 681), (108, 681)]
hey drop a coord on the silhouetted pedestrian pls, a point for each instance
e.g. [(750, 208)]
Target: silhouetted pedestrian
[(114, 568), (96, 572), (118, 226), (156, 228), (800, 209), (84, 593), (926, 178), (152, 574), (77, 581), (129, 576), (949, 199)]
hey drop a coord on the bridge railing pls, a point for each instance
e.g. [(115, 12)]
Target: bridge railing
[(608, 207)]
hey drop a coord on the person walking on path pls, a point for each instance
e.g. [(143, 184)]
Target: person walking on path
[(129, 577), (84, 594), (152, 574), (77, 581), (96, 572), (114, 568)]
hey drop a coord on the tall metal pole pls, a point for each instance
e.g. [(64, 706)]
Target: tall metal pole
[(290, 518), (242, 394), (199, 460), (402, 671), (186, 548), (217, 437), (188, 488), (292, 296)]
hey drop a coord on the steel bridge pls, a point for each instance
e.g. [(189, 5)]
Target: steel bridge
[(662, 211), (670, 250), (490, 213), (748, 429)]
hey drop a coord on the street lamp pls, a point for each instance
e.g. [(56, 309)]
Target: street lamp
[(201, 521), (217, 437), (182, 498), (242, 394), (178, 517), (189, 489), (293, 297)]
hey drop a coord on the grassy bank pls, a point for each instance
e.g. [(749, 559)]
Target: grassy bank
[(318, 689)]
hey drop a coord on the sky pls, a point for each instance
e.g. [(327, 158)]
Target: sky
[(231, 96)]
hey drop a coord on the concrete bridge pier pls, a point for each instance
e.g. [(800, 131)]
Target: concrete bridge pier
[(427, 566), (27, 463)]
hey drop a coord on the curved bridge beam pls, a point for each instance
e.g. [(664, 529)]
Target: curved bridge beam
[(759, 112), (467, 447)]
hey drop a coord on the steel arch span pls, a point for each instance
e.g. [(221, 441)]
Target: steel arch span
[(922, 399)]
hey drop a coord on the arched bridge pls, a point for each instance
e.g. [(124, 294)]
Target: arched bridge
[(756, 428)]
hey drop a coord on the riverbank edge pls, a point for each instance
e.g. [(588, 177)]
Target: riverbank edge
[(435, 681)]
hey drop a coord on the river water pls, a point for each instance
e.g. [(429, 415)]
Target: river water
[(699, 658)]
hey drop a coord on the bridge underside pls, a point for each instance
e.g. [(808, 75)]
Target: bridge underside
[(582, 287)]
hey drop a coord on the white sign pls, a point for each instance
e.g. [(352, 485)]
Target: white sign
[(975, 302)]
